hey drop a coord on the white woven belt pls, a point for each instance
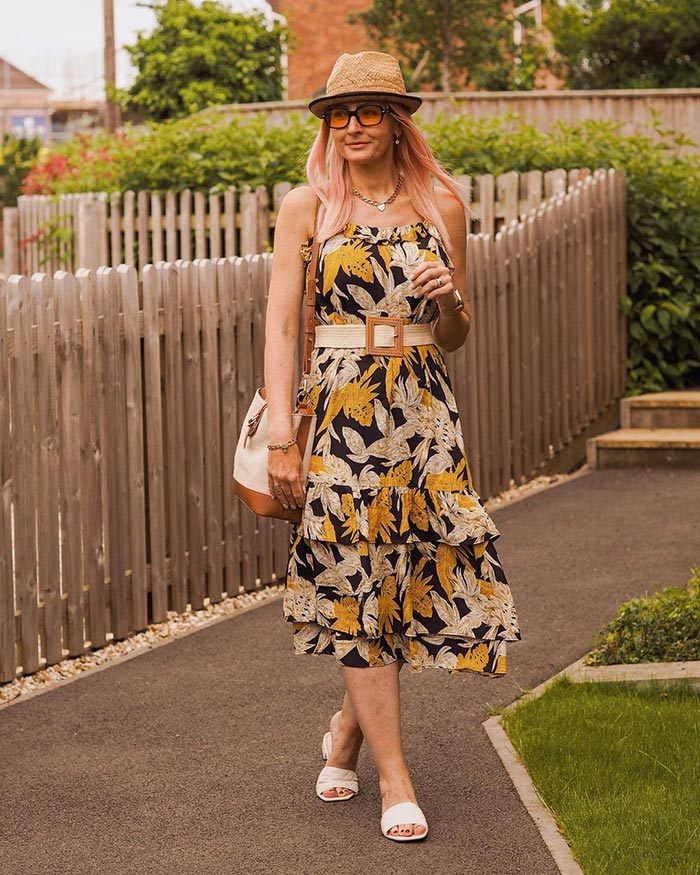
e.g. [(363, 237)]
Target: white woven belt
[(380, 335)]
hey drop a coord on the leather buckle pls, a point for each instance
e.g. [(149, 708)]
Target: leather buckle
[(371, 347)]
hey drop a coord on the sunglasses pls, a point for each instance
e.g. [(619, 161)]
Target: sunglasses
[(368, 115)]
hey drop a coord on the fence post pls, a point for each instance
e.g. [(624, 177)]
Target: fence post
[(91, 231), (10, 241)]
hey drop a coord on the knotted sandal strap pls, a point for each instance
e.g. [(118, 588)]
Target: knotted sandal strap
[(332, 776), (403, 812)]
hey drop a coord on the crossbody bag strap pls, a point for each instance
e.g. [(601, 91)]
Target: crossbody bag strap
[(311, 300)]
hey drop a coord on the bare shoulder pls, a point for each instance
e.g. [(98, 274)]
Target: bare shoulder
[(297, 211), (451, 207)]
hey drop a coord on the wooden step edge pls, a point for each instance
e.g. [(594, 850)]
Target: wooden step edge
[(650, 438), (679, 400)]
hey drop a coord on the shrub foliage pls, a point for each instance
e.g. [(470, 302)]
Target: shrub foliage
[(663, 197), (664, 627)]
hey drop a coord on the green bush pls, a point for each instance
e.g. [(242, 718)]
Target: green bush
[(17, 155), (664, 627), (662, 303)]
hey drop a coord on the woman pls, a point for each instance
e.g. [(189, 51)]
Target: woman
[(393, 560)]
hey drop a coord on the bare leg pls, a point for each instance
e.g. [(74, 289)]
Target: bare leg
[(374, 694), (346, 741)]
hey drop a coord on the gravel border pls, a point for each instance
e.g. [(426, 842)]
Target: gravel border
[(178, 625)]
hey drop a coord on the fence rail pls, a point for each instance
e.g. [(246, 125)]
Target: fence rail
[(121, 401), (66, 232)]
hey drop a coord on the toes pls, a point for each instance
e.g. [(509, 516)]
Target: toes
[(332, 792)]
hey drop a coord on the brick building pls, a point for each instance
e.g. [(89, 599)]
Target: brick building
[(319, 31)]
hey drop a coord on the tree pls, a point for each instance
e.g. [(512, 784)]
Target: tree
[(202, 55), (627, 43), (451, 44)]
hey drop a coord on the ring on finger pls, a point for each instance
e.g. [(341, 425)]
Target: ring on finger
[(439, 281)]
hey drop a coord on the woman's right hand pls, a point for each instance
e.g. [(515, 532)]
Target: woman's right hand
[(285, 470)]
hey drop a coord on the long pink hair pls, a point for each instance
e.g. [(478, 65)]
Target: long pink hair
[(329, 177)]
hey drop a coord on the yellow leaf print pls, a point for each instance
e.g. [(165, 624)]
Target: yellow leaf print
[(316, 465), (479, 549), (347, 610), (445, 562), (387, 605), (350, 521), (328, 530), (451, 480), (359, 396), (385, 252), (465, 500), (476, 659), (406, 502), (381, 521), (393, 369), (418, 594), (355, 398), (374, 652), (313, 398), (352, 257), (486, 588), (399, 475), (419, 511)]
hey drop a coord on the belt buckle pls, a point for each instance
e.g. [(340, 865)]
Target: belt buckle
[(371, 347)]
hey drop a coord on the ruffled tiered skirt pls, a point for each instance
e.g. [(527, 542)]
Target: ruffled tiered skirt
[(395, 557)]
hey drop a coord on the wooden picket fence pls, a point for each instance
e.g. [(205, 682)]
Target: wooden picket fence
[(69, 231), (121, 400)]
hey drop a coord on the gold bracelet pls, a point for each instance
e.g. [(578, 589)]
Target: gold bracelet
[(284, 447)]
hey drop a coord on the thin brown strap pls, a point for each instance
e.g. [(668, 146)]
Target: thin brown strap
[(309, 330)]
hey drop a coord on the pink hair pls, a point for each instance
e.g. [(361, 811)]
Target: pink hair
[(329, 177)]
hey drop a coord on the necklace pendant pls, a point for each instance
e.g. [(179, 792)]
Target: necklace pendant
[(381, 207)]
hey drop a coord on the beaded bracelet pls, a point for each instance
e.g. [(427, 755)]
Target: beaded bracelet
[(284, 447)]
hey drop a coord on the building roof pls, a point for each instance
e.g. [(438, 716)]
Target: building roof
[(13, 79)]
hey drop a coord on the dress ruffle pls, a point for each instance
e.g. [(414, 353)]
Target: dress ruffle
[(431, 604), (344, 514)]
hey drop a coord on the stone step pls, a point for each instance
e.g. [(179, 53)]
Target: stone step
[(645, 447), (673, 409)]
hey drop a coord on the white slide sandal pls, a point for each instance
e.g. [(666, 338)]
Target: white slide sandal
[(403, 812), (331, 777)]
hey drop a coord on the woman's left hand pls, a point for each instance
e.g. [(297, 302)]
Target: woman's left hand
[(432, 279)]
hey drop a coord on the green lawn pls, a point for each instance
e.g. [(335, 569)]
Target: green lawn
[(619, 766)]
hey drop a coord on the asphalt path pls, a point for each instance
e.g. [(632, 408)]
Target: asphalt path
[(200, 757)]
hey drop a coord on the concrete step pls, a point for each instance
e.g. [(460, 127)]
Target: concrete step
[(675, 409), (645, 447)]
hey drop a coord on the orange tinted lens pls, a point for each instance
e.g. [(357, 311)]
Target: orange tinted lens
[(337, 117), (370, 115)]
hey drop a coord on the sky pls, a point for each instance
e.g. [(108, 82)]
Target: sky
[(59, 42)]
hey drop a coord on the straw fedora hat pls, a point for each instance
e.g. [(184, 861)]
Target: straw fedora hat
[(366, 74)]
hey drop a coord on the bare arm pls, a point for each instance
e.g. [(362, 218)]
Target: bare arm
[(293, 227), (450, 330)]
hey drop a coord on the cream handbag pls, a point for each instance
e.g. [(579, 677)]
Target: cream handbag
[(250, 476)]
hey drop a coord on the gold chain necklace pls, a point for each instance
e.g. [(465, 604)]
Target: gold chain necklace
[(380, 205)]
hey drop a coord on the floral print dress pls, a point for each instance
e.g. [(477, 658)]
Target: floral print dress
[(394, 556)]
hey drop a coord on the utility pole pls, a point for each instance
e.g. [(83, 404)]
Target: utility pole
[(112, 111)]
